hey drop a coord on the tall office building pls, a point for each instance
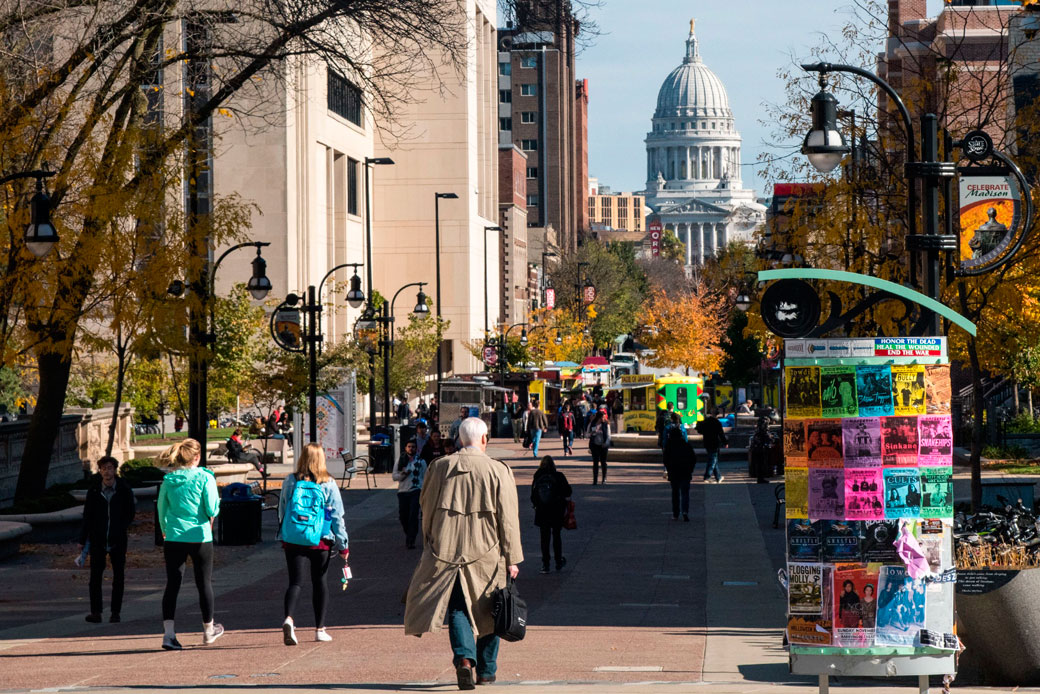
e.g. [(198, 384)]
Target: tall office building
[(512, 217)]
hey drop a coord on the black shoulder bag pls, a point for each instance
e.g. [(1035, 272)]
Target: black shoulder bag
[(510, 612)]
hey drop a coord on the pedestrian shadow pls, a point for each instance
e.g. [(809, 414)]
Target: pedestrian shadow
[(126, 651), (346, 686)]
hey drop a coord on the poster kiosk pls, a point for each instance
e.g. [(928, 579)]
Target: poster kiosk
[(868, 474)]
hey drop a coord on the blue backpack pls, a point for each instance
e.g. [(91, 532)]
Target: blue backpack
[(307, 518)]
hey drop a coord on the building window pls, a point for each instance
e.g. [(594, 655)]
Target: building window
[(532, 199), (528, 90), (505, 96), (528, 116), (622, 223), (592, 209), (505, 123), (353, 167), (505, 68), (529, 61), (344, 98), (604, 206), (529, 145), (532, 172)]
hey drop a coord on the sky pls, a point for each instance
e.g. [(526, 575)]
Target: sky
[(744, 42)]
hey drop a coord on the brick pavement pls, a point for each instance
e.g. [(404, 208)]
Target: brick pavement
[(643, 599)]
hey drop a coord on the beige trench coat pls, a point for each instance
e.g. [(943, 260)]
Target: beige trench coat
[(471, 530)]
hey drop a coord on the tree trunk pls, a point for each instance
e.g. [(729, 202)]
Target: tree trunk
[(54, 368), (121, 364), (1014, 391), (977, 411), (1030, 395)]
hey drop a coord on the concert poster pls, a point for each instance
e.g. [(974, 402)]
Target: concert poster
[(810, 629), (795, 452), (874, 391), (796, 492), (899, 440), (936, 492), (862, 438), (900, 607), (934, 440), (902, 493), (937, 388), (908, 393), (864, 493), (855, 605), (805, 588), (803, 540), (841, 540), (838, 391), (803, 391), (879, 538), (824, 442), (827, 493)]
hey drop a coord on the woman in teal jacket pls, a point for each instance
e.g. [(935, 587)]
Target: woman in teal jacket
[(188, 503)]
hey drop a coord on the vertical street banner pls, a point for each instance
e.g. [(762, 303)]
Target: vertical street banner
[(988, 217), (655, 230)]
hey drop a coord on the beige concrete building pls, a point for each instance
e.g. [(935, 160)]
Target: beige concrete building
[(512, 217), (621, 211)]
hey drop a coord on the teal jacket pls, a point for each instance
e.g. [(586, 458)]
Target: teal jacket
[(188, 499)]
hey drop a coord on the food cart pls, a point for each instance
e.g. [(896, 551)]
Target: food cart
[(645, 395)]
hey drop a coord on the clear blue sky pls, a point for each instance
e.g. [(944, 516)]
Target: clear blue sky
[(743, 41)]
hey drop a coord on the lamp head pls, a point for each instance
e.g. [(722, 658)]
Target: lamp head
[(824, 144), (292, 300), (40, 235), (176, 289), (559, 339), (447, 196), (259, 286), (743, 302), (421, 307), (523, 337), (355, 297), (378, 161)]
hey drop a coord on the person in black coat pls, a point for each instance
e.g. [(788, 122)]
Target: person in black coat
[(107, 515), (679, 460), (550, 493)]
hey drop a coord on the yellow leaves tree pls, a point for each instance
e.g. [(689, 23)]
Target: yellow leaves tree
[(545, 324), (684, 330)]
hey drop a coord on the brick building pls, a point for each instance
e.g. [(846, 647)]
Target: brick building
[(512, 217)]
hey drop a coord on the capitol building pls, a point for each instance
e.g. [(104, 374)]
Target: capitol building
[(693, 162)]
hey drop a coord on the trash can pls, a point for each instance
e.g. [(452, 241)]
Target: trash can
[(240, 516), (381, 450)]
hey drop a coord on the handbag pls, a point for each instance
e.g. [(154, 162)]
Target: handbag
[(527, 439), (510, 612), (569, 521)]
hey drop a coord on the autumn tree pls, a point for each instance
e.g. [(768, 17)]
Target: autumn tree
[(684, 331)]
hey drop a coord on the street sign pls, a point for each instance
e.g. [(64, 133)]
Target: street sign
[(288, 329), (490, 354), (990, 214), (656, 231), (550, 298), (977, 145)]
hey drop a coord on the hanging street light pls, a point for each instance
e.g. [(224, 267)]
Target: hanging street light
[(259, 286), (824, 144)]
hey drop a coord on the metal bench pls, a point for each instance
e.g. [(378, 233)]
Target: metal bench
[(781, 504)]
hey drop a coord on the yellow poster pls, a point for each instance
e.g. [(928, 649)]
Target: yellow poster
[(908, 390), (796, 492)]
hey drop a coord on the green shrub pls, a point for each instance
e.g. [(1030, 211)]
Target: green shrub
[(1014, 452), (1023, 423)]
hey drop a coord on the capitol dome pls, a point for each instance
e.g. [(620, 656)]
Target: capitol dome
[(692, 90)]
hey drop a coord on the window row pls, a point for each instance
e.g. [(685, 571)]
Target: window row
[(345, 98)]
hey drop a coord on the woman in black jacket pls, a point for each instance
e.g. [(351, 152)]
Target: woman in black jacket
[(107, 515), (679, 460), (550, 493)]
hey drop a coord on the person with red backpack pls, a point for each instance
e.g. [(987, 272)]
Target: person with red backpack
[(550, 492), (566, 428), (311, 528)]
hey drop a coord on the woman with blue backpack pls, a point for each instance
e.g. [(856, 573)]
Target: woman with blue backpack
[(311, 528)]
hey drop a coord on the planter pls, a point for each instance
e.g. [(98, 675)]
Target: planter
[(230, 472), (54, 527), (11, 535), (999, 618)]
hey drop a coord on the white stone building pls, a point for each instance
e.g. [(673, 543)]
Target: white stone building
[(693, 162)]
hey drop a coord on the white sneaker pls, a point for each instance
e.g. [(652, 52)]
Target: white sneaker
[(722, 477), (211, 635), (289, 633), (322, 635)]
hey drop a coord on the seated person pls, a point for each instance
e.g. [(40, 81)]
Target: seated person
[(272, 429), (238, 453)]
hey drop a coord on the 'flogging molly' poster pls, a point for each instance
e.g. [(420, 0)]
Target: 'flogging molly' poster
[(864, 490), (855, 605), (838, 391), (874, 391), (840, 540), (899, 440), (827, 493), (936, 492), (805, 588), (902, 493), (803, 391), (862, 436), (934, 440), (879, 539), (937, 388), (803, 627), (824, 442), (796, 492), (908, 392), (795, 452), (803, 540), (900, 607)]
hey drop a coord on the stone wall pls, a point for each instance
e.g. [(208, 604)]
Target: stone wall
[(92, 435), (66, 464)]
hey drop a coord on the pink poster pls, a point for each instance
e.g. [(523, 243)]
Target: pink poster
[(864, 494), (899, 440), (862, 441), (934, 440), (826, 493)]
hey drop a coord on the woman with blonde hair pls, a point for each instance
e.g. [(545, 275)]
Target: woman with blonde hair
[(188, 503), (311, 528)]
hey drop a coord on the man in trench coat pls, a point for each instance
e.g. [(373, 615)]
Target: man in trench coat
[(471, 534)]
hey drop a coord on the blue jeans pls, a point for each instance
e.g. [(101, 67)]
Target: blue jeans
[(483, 651), (680, 497), (713, 465), (536, 438)]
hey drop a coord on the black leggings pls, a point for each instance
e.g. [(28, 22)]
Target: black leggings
[(295, 557), (599, 459), (176, 553), (557, 542)]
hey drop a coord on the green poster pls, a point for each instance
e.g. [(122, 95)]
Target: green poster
[(838, 391), (936, 492)]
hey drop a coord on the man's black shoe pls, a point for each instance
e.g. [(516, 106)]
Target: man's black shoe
[(464, 675), (114, 619), (94, 618), (490, 679)]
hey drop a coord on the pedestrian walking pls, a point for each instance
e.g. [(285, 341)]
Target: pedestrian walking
[(433, 448), (404, 410), (408, 472), (537, 424), (566, 427), (581, 415), (311, 528), (679, 461), (107, 514), (453, 430), (550, 493), (188, 503), (422, 436), (714, 438), (617, 409), (422, 411), (761, 447), (516, 418), (664, 417), (472, 532), (599, 444), (435, 412)]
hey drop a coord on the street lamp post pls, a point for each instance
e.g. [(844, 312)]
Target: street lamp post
[(437, 245), (369, 163), (420, 308), (545, 273), (40, 236), (486, 230)]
